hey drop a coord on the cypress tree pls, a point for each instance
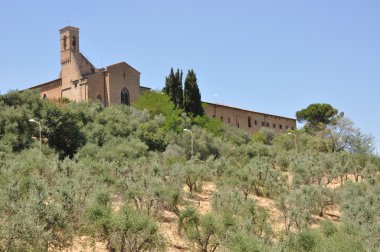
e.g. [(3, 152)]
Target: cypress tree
[(173, 87), (192, 96), (178, 89), (169, 84)]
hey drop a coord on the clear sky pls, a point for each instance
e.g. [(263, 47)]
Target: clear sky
[(270, 56)]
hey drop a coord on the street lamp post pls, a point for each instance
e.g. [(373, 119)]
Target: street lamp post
[(295, 141), (40, 127), (192, 142)]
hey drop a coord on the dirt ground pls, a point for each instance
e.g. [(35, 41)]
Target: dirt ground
[(168, 221)]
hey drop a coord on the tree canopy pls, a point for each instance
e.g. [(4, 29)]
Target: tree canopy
[(192, 96), (173, 87), (317, 116), (123, 178), (188, 99)]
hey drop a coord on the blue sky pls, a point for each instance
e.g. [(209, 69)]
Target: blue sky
[(269, 56)]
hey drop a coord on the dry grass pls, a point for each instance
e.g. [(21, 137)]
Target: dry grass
[(168, 228), (168, 221), (168, 224), (84, 244)]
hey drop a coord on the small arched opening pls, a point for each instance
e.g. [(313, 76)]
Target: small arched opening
[(99, 97), (125, 96), (44, 97), (64, 42), (74, 42)]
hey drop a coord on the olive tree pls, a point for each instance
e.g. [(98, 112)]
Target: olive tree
[(201, 229)]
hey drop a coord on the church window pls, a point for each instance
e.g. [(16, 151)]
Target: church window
[(221, 118), (255, 122), (229, 121), (274, 125), (213, 116), (286, 127), (280, 126), (262, 123), (125, 96), (124, 75), (238, 125), (249, 122), (64, 43), (267, 124), (74, 42), (99, 98)]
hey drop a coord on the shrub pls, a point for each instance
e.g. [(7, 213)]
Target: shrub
[(201, 229), (264, 136)]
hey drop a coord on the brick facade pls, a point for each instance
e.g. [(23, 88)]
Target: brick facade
[(80, 81), (249, 120)]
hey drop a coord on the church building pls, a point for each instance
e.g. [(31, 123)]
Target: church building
[(79, 80)]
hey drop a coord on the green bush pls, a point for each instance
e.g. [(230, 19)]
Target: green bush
[(113, 173)]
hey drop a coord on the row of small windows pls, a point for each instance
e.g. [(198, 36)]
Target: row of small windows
[(125, 100), (263, 124), (267, 124), (66, 62)]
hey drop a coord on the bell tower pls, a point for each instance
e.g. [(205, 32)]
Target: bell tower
[(69, 44), (69, 37)]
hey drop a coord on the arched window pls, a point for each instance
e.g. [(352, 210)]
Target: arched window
[(125, 96), (64, 43), (74, 42), (99, 98), (44, 97)]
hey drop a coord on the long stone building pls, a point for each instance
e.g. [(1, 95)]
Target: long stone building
[(79, 80), (249, 120)]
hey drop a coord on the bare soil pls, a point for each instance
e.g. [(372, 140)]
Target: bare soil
[(168, 221)]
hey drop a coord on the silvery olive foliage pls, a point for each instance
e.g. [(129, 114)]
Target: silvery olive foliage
[(115, 174)]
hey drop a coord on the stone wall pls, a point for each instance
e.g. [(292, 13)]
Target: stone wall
[(97, 87), (122, 75), (249, 120), (80, 81), (50, 90)]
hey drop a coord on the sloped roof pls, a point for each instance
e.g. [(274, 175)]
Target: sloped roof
[(246, 110)]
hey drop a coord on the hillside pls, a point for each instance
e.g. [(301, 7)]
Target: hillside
[(124, 179)]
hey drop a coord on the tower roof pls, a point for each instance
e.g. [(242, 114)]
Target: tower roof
[(69, 28)]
